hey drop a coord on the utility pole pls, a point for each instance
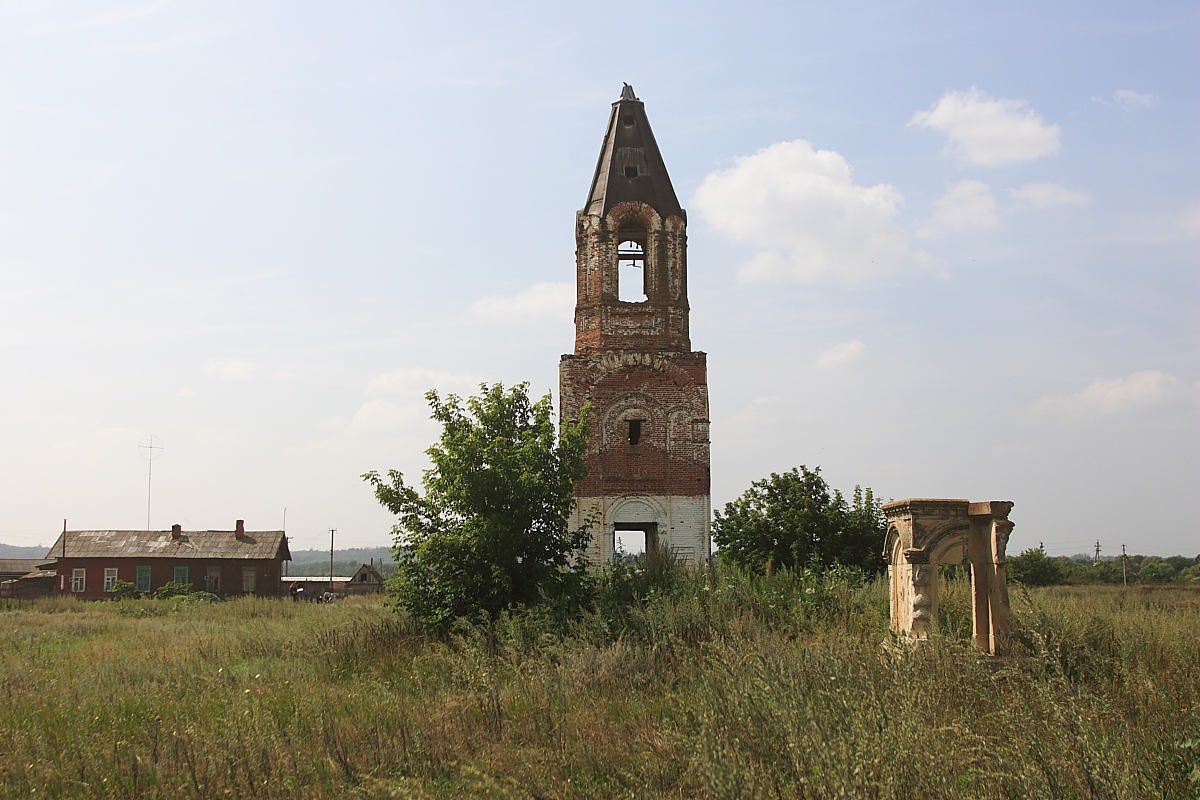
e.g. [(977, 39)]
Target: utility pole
[(332, 531), (1124, 581), (1096, 560)]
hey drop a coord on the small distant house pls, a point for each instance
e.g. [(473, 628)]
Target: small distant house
[(26, 578), (226, 563), (366, 581)]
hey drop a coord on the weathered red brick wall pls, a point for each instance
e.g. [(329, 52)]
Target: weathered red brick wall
[(668, 393), (602, 321)]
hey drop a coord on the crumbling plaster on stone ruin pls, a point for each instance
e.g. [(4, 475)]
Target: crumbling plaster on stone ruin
[(923, 533), (679, 522)]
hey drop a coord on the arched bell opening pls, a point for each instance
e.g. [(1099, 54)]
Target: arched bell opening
[(631, 263)]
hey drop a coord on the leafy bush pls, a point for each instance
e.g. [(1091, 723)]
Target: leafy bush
[(1034, 568), (492, 530), (172, 589), (790, 520), (124, 590), (1155, 569)]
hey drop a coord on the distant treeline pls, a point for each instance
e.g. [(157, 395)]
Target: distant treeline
[(1033, 567), (16, 551), (345, 562)]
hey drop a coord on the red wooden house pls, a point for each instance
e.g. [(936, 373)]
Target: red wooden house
[(226, 563)]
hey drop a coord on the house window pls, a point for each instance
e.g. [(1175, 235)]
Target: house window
[(181, 575), (110, 578), (143, 579), (78, 580), (212, 581), (248, 582)]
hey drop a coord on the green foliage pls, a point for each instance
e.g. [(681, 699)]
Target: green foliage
[(1034, 568), (124, 590), (491, 531), (172, 589), (786, 521), (1155, 569)]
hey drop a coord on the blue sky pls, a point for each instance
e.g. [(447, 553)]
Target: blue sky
[(938, 250)]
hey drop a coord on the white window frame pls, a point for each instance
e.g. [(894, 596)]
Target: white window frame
[(78, 580), (249, 580), (110, 578)]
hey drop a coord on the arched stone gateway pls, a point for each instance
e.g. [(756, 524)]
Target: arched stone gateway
[(924, 533)]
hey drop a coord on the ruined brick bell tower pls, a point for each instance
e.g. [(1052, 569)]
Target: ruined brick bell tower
[(633, 360)]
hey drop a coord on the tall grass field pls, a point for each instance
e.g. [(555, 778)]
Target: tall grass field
[(731, 686)]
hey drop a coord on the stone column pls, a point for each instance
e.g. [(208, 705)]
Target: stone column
[(986, 545)]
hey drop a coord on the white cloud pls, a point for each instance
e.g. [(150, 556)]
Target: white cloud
[(1045, 195), (386, 417), (969, 205), (229, 370), (1107, 397), (415, 382), (1131, 99), (989, 131), (400, 404), (545, 300), (841, 354), (801, 209), (1189, 220)]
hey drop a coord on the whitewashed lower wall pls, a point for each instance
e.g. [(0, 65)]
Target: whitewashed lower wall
[(683, 523)]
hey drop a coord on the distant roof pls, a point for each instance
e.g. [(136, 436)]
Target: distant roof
[(161, 544), (373, 573), (630, 166), (19, 566)]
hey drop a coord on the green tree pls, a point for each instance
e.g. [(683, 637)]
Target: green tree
[(1034, 568), (492, 529), (1154, 569), (793, 519)]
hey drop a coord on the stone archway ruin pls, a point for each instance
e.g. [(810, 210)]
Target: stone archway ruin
[(924, 533)]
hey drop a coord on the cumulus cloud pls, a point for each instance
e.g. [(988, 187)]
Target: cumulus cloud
[(1107, 397), (969, 205), (1130, 99), (1188, 220), (1045, 195), (229, 370), (989, 131), (841, 354), (802, 210), (541, 300)]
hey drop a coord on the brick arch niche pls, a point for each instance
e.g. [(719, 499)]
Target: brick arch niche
[(924, 533)]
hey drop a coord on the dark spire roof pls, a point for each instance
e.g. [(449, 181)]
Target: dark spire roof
[(630, 166)]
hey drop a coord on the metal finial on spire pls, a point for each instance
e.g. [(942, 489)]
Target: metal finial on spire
[(627, 93)]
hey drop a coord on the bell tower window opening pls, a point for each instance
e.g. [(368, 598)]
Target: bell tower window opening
[(635, 431), (631, 264)]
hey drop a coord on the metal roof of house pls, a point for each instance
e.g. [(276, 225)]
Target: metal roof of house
[(162, 544), (19, 566)]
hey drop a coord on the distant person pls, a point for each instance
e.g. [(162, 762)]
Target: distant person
[(295, 591)]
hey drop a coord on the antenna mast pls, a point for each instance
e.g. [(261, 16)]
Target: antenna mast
[(151, 448)]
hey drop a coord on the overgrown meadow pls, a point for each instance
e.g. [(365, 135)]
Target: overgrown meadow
[(724, 686)]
